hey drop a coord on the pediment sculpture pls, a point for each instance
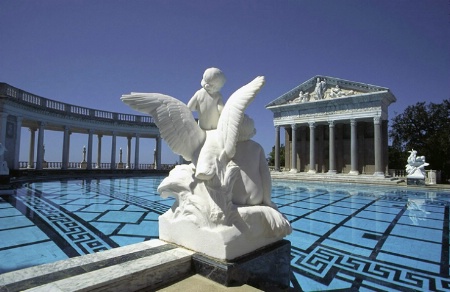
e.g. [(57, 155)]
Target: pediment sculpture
[(223, 204)]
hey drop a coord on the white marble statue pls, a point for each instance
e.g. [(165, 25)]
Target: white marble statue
[(223, 202), (4, 170), (416, 165)]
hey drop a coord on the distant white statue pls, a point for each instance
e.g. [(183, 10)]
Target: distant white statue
[(320, 89), (416, 165), (207, 101), (223, 202), (4, 170)]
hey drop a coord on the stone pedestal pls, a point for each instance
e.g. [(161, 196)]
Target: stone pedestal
[(415, 181), (267, 268)]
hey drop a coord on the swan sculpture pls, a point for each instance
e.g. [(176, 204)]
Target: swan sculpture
[(219, 210)]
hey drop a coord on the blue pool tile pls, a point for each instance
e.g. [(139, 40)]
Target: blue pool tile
[(408, 262), (102, 208), (420, 219), (351, 237), (121, 216), (14, 222), (378, 216), (411, 248), (146, 228), (327, 217), (338, 210), (367, 224), (418, 232), (126, 240), (347, 246), (293, 210), (10, 211), (383, 209), (87, 216), (23, 235), (302, 240), (28, 256), (307, 205), (312, 226), (152, 216), (105, 228)]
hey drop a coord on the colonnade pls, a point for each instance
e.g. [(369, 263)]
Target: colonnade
[(90, 150), (377, 138)]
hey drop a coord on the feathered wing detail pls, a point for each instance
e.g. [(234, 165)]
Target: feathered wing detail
[(174, 120), (233, 113)]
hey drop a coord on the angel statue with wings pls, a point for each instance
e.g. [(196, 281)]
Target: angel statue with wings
[(223, 204)]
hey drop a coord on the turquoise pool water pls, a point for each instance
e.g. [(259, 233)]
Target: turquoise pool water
[(345, 236)]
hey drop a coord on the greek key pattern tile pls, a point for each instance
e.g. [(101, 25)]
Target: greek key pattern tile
[(80, 238), (323, 265)]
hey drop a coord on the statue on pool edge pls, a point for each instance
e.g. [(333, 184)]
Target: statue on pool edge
[(223, 204)]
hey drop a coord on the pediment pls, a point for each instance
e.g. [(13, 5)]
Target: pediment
[(324, 88)]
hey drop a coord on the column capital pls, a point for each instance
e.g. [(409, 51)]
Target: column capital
[(331, 124), (294, 126), (353, 122), (376, 120), (312, 124)]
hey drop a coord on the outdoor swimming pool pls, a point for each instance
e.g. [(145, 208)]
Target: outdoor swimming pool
[(345, 236)]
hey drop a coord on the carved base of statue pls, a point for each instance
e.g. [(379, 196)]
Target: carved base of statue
[(205, 220)]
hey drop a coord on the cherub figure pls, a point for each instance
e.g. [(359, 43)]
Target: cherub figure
[(207, 101)]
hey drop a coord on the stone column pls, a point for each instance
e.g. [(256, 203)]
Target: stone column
[(99, 151), (17, 143), (294, 148), (312, 145), (40, 146), (354, 147), (331, 151), (89, 157), (3, 122), (31, 152), (158, 152), (377, 141), (113, 151), (136, 152), (128, 166), (277, 148), (66, 148)]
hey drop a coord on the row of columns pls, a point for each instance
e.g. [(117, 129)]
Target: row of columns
[(66, 149), (332, 157)]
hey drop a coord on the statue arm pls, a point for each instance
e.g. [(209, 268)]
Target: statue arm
[(193, 103)]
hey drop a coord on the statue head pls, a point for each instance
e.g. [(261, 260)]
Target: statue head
[(247, 129), (213, 80)]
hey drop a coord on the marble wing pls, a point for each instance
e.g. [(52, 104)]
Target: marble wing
[(174, 120), (233, 113)]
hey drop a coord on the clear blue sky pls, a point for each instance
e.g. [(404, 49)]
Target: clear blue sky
[(89, 53)]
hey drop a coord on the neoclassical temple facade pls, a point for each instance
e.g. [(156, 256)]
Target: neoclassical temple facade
[(333, 126)]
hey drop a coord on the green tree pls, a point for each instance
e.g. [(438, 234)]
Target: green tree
[(271, 158), (425, 128)]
